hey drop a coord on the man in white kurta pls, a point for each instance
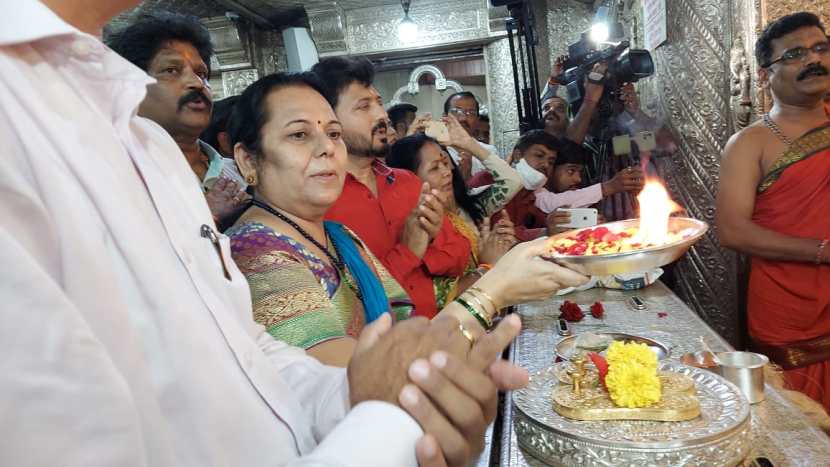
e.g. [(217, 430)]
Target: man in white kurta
[(127, 336)]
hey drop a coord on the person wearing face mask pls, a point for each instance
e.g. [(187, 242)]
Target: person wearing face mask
[(566, 181), (533, 157), (773, 202)]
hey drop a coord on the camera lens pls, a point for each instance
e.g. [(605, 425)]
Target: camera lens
[(633, 65)]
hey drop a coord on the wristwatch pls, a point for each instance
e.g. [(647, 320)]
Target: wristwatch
[(595, 77)]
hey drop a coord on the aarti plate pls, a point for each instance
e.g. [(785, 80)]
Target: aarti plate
[(635, 261), (720, 436)]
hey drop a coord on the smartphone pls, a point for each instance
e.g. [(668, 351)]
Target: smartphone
[(580, 217), (438, 130), (622, 145), (645, 141)]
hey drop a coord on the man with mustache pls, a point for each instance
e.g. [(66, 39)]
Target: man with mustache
[(555, 107), (391, 210), (773, 204), (175, 50)]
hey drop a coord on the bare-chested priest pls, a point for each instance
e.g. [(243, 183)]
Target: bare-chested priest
[(774, 204)]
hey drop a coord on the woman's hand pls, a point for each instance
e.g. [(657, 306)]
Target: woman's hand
[(491, 247), (522, 276), (461, 140), (419, 125), (556, 219)]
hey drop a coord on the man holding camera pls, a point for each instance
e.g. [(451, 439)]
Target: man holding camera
[(555, 106)]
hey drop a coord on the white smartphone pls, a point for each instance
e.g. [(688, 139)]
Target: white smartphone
[(580, 217), (645, 141), (622, 145)]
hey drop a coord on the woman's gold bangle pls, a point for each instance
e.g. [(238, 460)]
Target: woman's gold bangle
[(482, 320), (484, 294)]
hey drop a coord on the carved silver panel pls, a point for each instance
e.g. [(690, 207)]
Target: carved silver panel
[(234, 82), (375, 29), (504, 121), (690, 92), (268, 52), (565, 21), (326, 25)]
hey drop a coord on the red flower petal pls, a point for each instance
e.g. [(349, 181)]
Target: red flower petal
[(597, 310), (601, 364)]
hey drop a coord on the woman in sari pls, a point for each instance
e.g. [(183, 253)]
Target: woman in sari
[(469, 212), (314, 284)]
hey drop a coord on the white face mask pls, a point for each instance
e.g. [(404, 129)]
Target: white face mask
[(532, 179)]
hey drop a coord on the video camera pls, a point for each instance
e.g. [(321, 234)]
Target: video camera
[(625, 65)]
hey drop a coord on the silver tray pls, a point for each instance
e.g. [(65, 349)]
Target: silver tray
[(565, 348), (719, 437), (632, 261)]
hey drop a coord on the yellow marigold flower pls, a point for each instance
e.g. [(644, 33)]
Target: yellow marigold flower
[(631, 352), (632, 385)]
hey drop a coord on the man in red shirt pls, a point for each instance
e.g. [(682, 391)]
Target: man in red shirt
[(397, 217)]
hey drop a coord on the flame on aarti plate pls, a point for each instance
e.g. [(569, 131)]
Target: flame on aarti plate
[(655, 208)]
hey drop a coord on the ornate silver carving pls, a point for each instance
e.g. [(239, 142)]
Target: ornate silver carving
[(689, 93), (229, 44), (412, 87), (234, 82), (741, 85), (504, 128), (565, 21), (375, 29), (326, 25)]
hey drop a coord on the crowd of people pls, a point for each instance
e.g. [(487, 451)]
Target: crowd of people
[(299, 276)]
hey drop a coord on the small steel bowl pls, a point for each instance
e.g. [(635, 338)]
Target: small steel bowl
[(635, 261)]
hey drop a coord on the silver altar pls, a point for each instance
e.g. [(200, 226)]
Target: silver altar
[(779, 431)]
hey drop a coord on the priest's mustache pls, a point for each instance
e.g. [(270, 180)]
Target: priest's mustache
[(813, 68)]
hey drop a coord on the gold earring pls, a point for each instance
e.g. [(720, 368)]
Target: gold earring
[(250, 179)]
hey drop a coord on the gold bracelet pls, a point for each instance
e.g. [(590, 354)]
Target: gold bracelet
[(475, 296), (820, 252), (488, 318), (487, 296), (478, 316)]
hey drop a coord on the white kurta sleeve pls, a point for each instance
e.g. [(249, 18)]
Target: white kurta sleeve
[(548, 202), (63, 402), (373, 434)]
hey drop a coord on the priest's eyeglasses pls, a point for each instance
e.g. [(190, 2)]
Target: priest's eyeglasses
[(799, 54)]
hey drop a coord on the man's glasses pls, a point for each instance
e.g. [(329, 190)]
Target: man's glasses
[(799, 54), (460, 112)]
